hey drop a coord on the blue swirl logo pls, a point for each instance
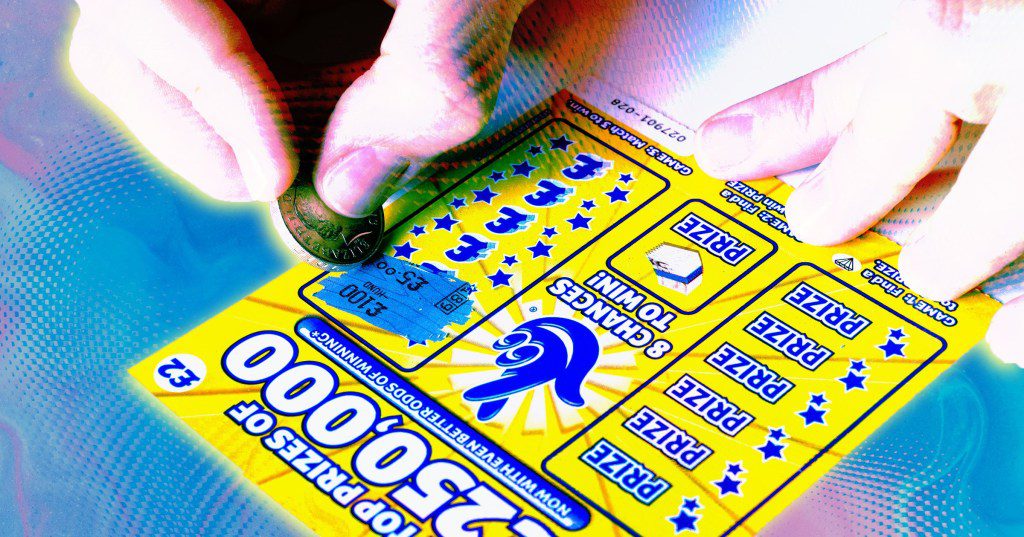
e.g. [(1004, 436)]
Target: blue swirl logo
[(549, 349)]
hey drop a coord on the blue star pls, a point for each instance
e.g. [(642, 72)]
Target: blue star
[(683, 522), (540, 250), (471, 288), (897, 333), (418, 230), (549, 232), (499, 278), (812, 415), (776, 433), (857, 365), (734, 468), (727, 485), (579, 222), (445, 222), (510, 260), (497, 176), (818, 399), (524, 168), (534, 150), (892, 348), (616, 194), (416, 343), (588, 205), (405, 250), (484, 195), (626, 178), (458, 203), (852, 381), (691, 504), (771, 450), (561, 142)]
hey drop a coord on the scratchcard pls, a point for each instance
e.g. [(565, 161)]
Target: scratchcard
[(626, 346)]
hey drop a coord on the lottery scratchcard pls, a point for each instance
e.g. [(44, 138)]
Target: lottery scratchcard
[(581, 333)]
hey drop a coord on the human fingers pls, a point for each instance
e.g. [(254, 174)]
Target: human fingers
[(899, 132), (173, 131), (191, 88), (979, 227), (432, 88), (787, 128)]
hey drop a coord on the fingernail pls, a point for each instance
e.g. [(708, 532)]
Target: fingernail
[(727, 141), (359, 182), (260, 179)]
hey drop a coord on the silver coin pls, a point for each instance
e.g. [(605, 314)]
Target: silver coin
[(321, 237)]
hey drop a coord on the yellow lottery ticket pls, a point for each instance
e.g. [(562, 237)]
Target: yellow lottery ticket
[(578, 333)]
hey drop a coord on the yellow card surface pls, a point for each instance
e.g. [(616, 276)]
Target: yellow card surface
[(625, 346)]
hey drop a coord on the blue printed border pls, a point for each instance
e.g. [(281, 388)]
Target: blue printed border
[(775, 248), (523, 291), (742, 519)]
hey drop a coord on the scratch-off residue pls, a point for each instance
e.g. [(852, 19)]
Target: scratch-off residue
[(400, 297)]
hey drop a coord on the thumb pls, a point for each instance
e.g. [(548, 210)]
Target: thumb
[(432, 88)]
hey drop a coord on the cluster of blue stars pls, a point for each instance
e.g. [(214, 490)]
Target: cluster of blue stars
[(730, 482), (773, 446), (893, 346), (815, 411), (687, 518), (526, 169), (853, 381), (486, 195)]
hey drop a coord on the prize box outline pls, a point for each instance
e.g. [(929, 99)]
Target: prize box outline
[(508, 149), (669, 216), (601, 509)]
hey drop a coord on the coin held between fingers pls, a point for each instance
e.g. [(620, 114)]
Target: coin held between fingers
[(320, 236)]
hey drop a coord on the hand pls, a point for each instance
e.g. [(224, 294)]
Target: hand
[(879, 120), (187, 81)]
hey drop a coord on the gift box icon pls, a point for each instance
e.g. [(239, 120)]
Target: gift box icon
[(676, 267)]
